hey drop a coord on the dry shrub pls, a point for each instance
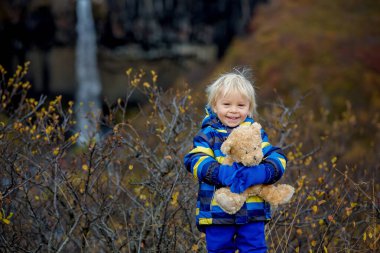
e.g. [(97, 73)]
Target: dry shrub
[(334, 170), (126, 189)]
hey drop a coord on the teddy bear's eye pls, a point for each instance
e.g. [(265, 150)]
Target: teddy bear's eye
[(246, 151)]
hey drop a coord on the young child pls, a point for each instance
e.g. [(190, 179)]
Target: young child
[(231, 102)]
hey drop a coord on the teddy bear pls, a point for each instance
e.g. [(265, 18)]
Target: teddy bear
[(243, 145)]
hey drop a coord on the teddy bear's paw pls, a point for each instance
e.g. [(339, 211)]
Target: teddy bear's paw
[(228, 201), (287, 192), (277, 195)]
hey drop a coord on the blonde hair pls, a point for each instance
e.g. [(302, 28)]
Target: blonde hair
[(235, 81)]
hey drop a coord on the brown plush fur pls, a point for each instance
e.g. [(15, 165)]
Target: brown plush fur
[(243, 145)]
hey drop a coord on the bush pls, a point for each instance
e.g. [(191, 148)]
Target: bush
[(126, 189), (335, 207), (124, 192)]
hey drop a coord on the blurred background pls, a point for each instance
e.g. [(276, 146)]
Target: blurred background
[(180, 39), (328, 48)]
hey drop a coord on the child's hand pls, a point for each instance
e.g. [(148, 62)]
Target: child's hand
[(226, 174), (248, 176)]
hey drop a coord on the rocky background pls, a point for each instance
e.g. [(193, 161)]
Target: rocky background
[(180, 39)]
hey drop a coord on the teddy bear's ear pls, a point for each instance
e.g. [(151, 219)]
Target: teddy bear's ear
[(226, 147), (256, 125)]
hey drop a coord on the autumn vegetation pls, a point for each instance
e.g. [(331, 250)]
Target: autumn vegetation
[(126, 189)]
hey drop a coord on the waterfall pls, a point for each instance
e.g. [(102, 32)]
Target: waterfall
[(88, 93)]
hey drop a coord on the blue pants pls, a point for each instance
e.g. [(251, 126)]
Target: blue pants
[(229, 238)]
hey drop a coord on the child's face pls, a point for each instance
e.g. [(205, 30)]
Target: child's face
[(232, 109)]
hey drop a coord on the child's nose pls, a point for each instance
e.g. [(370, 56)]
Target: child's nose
[(234, 109)]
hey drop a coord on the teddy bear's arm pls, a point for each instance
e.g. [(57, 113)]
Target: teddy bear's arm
[(273, 194)]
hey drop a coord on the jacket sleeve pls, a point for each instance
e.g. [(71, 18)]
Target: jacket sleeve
[(274, 160), (201, 162)]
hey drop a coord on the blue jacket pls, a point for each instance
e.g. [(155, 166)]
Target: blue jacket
[(203, 162)]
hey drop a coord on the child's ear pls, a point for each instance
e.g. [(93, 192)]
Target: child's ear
[(213, 108)]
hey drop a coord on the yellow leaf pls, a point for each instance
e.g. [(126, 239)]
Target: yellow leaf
[(298, 249), (6, 221), (85, 167), (314, 208), (154, 76), (319, 193), (313, 243), (10, 215), (130, 167), (364, 236), (56, 151), (325, 249), (353, 204), (49, 129), (174, 201)]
